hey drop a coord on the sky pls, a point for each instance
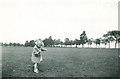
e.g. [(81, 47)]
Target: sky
[(22, 20)]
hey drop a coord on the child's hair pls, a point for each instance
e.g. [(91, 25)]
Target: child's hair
[(39, 42)]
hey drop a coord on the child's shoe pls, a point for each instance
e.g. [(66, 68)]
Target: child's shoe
[(36, 70)]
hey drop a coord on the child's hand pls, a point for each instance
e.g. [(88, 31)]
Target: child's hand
[(36, 52), (45, 49)]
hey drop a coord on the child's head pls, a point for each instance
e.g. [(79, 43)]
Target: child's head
[(39, 43)]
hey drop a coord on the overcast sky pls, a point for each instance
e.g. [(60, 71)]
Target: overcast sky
[(22, 20)]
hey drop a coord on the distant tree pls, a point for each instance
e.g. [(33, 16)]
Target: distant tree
[(10, 44), (100, 41), (14, 44), (45, 42), (5, 44), (89, 42), (57, 42), (83, 38), (76, 42), (97, 41), (48, 41), (32, 43), (71, 42), (109, 38), (105, 41), (67, 41), (61, 43), (116, 35), (27, 44), (17, 44), (22, 45)]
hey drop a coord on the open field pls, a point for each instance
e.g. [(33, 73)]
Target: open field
[(61, 62)]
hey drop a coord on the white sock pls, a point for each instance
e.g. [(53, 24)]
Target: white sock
[(41, 59), (35, 66)]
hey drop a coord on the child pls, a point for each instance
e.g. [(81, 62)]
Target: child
[(37, 54)]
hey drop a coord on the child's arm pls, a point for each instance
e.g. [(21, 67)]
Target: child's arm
[(36, 50), (43, 49)]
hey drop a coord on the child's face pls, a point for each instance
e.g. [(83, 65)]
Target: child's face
[(39, 44)]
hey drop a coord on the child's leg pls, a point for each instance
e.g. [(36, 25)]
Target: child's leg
[(41, 59), (36, 68)]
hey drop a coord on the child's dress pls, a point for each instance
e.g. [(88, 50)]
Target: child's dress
[(38, 58)]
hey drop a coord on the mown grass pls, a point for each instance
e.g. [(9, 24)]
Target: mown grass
[(61, 62)]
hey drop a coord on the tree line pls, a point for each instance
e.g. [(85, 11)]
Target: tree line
[(110, 36), (10, 44)]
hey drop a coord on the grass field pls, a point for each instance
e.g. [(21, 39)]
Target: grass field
[(61, 62)]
